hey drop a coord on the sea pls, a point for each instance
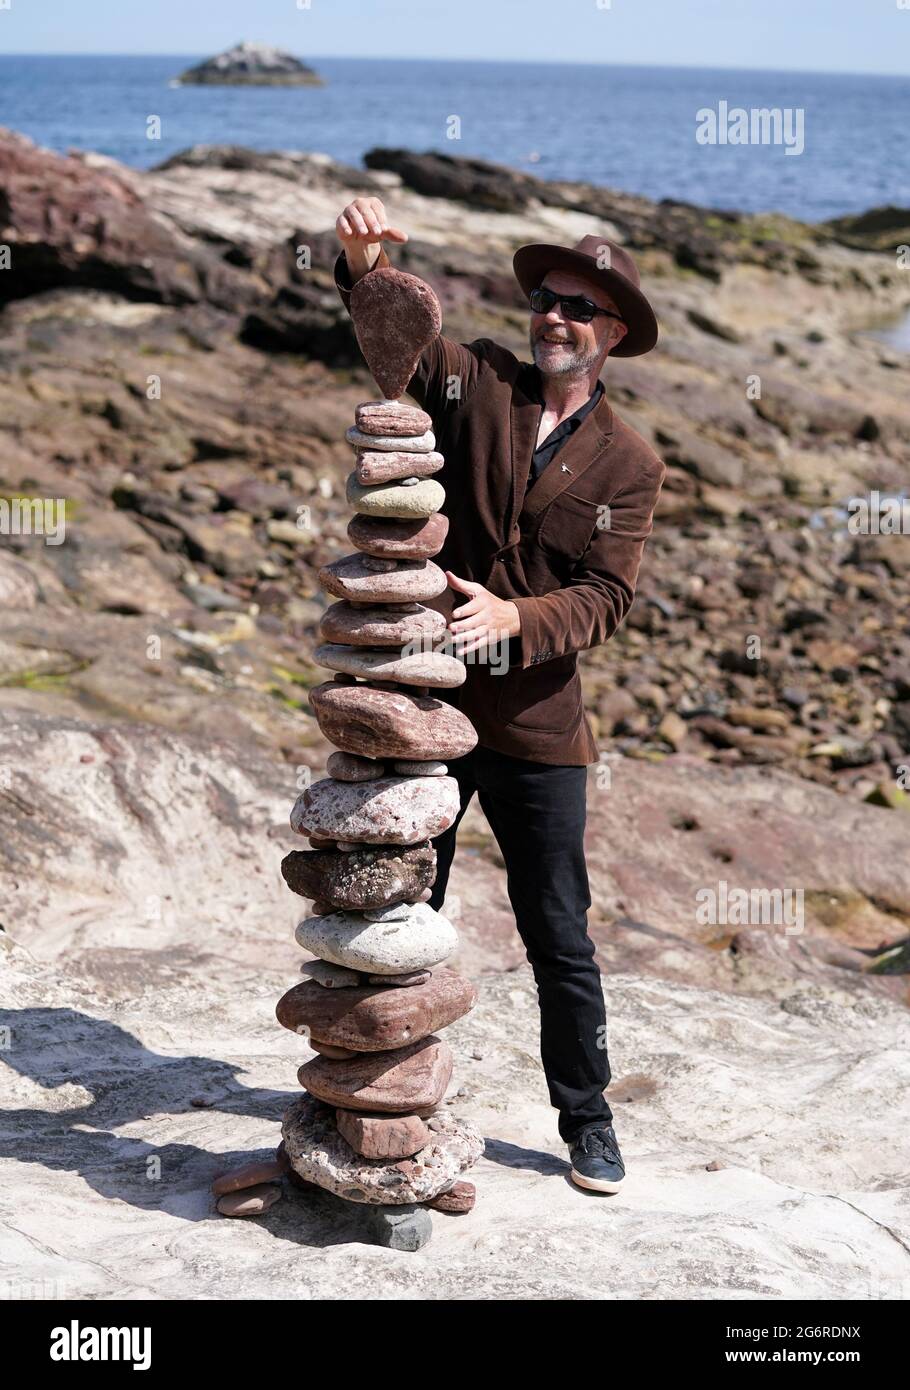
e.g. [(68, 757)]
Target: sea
[(629, 128)]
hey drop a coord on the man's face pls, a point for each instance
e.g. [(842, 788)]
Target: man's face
[(561, 347)]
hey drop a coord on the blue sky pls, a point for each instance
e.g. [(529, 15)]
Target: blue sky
[(801, 35)]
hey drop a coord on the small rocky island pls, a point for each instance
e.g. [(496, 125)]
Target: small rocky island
[(251, 65)]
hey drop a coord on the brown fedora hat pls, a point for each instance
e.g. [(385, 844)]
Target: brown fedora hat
[(621, 281)]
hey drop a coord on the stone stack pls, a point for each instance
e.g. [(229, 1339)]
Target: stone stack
[(369, 1126)]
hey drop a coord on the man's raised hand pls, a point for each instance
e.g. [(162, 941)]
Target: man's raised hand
[(361, 228)]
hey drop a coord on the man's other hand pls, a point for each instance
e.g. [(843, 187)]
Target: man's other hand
[(485, 619)]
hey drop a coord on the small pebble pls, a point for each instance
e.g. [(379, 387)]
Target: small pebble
[(253, 1201), (459, 1198), (265, 1170)]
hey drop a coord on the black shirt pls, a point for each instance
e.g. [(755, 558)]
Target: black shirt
[(553, 443)]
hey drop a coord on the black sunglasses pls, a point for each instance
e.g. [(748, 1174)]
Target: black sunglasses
[(574, 307)]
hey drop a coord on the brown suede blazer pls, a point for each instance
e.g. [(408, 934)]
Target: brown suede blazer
[(566, 551)]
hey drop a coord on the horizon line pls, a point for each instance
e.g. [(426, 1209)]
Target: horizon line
[(511, 62)]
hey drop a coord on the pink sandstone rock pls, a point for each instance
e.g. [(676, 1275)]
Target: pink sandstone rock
[(391, 417), (395, 538), (376, 625), (385, 467), (250, 1175), (423, 667), (407, 1079), (253, 1201), (458, 1198), (373, 1019), (410, 581), (390, 724), (395, 317), (391, 810), (383, 1136)]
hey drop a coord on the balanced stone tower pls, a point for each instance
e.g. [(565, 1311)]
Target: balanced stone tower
[(371, 1125)]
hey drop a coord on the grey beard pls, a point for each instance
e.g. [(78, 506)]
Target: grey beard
[(576, 365)]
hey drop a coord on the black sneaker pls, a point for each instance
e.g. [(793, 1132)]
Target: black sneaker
[(596, 1161)]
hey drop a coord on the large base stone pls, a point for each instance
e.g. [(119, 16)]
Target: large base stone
[(319, 1154)]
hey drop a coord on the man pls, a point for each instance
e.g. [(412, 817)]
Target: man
[(550, 499)]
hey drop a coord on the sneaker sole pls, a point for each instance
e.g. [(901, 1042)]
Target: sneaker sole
[(596, 1184)]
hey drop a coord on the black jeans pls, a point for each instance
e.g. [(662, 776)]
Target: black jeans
[(537, 814)]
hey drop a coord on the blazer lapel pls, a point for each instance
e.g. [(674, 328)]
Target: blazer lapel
[(575, 457), (525, 421)]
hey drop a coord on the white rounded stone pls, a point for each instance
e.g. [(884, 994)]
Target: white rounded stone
[(422, 939)]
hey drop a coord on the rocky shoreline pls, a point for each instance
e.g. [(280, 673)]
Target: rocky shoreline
[(176, 364)]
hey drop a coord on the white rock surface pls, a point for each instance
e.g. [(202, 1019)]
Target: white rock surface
[(799, 1083), (807, 1106)]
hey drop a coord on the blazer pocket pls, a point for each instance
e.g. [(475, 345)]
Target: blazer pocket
[(568, 524), (544, 698)]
